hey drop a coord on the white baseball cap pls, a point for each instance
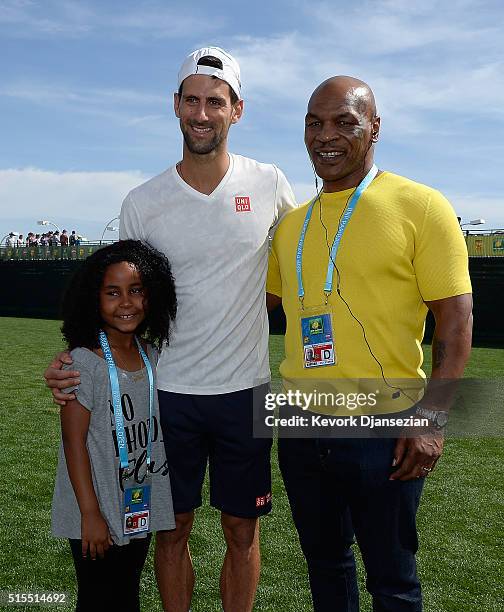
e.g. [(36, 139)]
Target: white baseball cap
[(230, 71)]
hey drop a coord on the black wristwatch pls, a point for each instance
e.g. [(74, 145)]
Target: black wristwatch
[(438, 418)]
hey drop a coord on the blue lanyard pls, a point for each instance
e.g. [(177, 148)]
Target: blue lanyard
[(116, 400), (361, 187)]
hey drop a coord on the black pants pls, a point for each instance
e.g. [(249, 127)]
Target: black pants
[(341, 487), (111, 583)]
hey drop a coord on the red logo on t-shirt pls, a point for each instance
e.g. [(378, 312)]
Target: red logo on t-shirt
[(242, 204)]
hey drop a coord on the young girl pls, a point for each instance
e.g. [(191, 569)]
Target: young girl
[(112, 486)]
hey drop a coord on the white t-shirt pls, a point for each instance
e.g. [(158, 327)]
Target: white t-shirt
[(217, 246)]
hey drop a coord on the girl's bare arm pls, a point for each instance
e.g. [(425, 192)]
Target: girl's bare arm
[(74, 426)]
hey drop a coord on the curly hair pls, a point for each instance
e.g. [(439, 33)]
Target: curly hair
[(81, 303)]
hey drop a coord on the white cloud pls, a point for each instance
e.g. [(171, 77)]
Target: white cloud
[(272, 66), (456, 65), (386, 28), (456, 69), (35, 194), (78, 98), (54, 93), (124, 106), (286, 67), (25, 19), (299, 65), (417, 56), (476, 206), (161, 22), (71, 19)]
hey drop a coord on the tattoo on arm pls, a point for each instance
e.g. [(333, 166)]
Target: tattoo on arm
[(438, 353)]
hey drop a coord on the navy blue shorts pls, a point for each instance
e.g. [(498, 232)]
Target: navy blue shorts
[(217, 429)]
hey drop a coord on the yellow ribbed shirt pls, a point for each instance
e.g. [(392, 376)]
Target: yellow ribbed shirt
[(402, 247)]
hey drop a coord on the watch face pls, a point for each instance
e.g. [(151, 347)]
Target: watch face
[(442, 419)]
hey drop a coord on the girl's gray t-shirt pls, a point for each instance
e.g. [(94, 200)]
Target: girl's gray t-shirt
[(108, 479)]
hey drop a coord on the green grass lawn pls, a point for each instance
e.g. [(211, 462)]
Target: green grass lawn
[(461, 517)]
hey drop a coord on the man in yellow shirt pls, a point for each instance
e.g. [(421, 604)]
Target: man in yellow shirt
[(356, 270)]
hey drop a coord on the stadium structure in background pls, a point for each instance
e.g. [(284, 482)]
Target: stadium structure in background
[(34, 279)]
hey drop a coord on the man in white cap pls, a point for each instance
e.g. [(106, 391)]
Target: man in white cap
[(211, 215)]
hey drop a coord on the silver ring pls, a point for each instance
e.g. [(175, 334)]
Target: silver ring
[(426, 469)]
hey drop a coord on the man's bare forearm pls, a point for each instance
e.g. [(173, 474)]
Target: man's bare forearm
[(451, 347)]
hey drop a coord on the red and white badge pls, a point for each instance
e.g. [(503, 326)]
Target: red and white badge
[(242, 204), (136, 522)]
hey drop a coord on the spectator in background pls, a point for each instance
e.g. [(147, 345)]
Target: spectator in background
[(64, 238), (36, 240), (55, 239), (43, 240), (10, 241), (73, 238), (20, 241)]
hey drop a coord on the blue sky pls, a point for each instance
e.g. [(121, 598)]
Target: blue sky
[(86, 95)]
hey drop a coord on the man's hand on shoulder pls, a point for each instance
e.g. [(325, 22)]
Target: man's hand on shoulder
[(56, 378)]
